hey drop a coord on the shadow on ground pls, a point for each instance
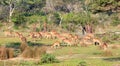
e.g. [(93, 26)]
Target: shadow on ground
[(112, 59), (16, 45)]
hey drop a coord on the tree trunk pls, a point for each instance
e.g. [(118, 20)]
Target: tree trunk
[(60, 24), (11, 6)]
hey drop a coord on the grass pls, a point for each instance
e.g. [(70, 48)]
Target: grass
[(8, 40), (69, 62), (77, 50), (92, 55), (89, 62)]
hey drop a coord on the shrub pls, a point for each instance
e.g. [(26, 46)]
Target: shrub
[(6, 53), (38, 52), (19, 20), (48, 58), (82, 63), (13, 45), (27, 53), (33, 52), (23, 46)]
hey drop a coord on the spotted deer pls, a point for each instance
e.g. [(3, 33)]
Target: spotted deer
[(97, 41), (68, 42), (48, 35), (23, 39), (56, 45), (37, 35), (54, 34), (8, 33), (17, 34), (104, 46)]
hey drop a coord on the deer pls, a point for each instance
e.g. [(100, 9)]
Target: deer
[(8, 33), (48, 36), (17, 34), (96, 41), (104, 46), (61, 38), (84, 42), (37, 35), (23, 39), (54, 34), (56, 45), (42, 34), (65, 34), (68, 42), (75, 38), (91, 35), (31, 35)]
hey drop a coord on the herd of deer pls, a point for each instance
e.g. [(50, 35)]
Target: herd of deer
[(64, 38)]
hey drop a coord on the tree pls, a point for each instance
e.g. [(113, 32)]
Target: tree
[(11, 6)]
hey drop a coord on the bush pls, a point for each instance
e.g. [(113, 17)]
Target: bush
[(19, 20), (82, 63), (48, 58)]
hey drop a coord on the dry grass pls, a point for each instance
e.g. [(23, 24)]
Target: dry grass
[(38, 52), (31, 52), (107, 53), (114, 47), (27, 53), (6, 53), (10, 52), (23, 46), (3, 53)]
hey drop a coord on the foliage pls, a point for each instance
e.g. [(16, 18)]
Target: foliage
[(57, 18), (48, 58), (82, 63), (110, 38), (102, 5), (67, 12), (33, 19), (19, 20), (115, 21), (105, 39)]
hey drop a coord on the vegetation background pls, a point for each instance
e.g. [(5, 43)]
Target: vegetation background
[(67, 14)]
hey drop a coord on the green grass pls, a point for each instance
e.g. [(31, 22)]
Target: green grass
[(72, 55), (4, 40), (69, 62), (91, 50), (89, 62)]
